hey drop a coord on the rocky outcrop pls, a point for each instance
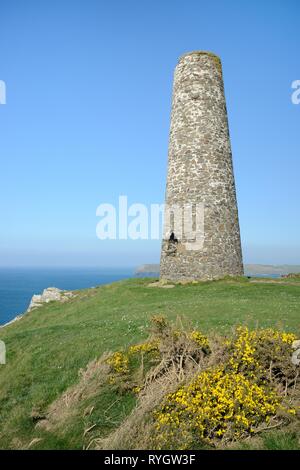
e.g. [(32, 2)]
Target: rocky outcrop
[(48, 295)]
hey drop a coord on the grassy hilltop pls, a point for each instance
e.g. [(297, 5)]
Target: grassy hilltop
[(49, 346)]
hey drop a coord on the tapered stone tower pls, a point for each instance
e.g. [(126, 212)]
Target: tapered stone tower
[(201, 238)]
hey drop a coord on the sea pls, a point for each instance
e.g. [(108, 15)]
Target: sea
[(18, 285)]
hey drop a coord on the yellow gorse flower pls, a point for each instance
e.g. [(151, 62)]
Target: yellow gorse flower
[(200, 339), (215, 403), (244, 346), (227, 402), (146, 347), (119, 362)]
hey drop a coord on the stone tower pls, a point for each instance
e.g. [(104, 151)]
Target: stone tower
[(201, 238)]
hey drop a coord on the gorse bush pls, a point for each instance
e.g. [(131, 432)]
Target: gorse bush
[(264, 354), (119, 362), (235, 399), (200, 339), (216, 404), (210, 390), (147, 347), (168, 347)]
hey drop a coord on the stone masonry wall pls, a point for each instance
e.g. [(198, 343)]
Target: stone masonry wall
[(200, 172)]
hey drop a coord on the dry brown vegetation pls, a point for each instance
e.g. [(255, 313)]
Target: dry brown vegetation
[(165, 367)]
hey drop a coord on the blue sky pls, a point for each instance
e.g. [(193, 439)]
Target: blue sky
[(87, 119)]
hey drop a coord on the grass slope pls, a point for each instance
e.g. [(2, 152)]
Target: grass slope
[(46, 349)]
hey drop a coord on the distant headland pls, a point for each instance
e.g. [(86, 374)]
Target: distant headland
[(250, 269)]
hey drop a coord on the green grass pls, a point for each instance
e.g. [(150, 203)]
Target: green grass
[(272, 440), (46, 349)]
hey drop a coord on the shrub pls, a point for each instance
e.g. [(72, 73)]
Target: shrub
[(216, 404), (193, 391), (264, 354), (119, 362)]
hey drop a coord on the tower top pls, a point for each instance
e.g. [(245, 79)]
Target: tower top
[(208, 53), (197, 54)]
